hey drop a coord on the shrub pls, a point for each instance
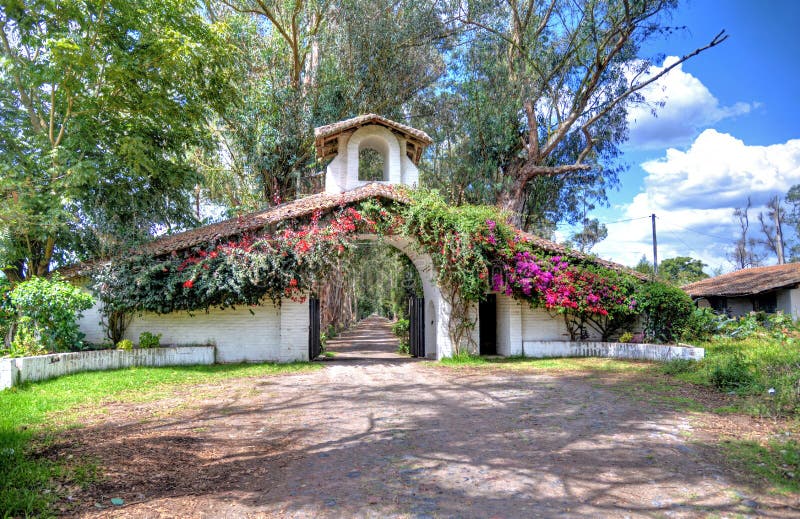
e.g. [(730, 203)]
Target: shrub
[(667, 311), (704, 323), (149, 340), (626, 337), (731, 372), (401, 329), (48, 313), (125, 344)]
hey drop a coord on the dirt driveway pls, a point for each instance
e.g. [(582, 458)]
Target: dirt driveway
[(375, 435)]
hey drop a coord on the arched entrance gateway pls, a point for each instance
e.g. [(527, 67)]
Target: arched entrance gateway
[(289, 330), (239, 285)]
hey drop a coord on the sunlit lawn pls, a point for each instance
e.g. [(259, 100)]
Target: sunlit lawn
[(27, 480)]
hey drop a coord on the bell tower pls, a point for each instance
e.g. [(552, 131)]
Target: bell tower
[(369, 148)]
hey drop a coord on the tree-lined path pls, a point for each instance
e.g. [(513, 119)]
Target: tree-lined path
[(387, 437)]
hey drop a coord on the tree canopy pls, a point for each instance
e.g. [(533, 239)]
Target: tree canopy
[(120, 120), (100, 103)]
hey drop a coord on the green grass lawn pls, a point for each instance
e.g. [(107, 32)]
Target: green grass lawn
[(558, 364), (28, 481)]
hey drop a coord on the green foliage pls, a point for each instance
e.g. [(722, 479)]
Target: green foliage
[(667, 311), (681, 270), (48, 313), (125, 344), (644, 266), (626, 337), (149, 340), (383, 278), (776, 460), (731, 372), (101, 105), (677, 366), (593, 232), (401, 329), (704, 323), (7, 313)]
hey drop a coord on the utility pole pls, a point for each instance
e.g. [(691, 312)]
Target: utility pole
[(778, 217), (655, 246)]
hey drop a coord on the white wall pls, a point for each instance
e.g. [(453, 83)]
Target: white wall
[(43, 367), (539, 325), (789, 302), (269, 333), (614, 350)]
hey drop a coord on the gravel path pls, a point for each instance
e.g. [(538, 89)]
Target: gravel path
[(377, 435)]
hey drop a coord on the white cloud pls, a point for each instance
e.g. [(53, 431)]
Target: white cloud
[(688, 107), (693, 194)]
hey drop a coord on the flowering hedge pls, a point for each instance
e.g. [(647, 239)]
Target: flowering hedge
[(472, 248)]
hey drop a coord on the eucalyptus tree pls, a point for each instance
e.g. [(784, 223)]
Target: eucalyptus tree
[(101, 102), (312, 62), (541, 92)]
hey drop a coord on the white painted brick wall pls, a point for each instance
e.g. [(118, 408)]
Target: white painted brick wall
[(509, 326), (615, 350), (269, 333), (294, 328), (538, 324), (89, 324), (239, 335)]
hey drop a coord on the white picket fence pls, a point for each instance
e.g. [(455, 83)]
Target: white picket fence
[(15, 371)]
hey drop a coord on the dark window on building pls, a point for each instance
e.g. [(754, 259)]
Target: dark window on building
[(719, 304), (766, 303)]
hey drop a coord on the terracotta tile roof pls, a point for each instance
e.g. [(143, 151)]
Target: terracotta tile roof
[(302, 207), (747, 281), (326, 138), (330, 129), (250, 222)]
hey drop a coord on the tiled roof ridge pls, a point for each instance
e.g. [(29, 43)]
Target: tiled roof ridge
[(330, 129), (752, 280)]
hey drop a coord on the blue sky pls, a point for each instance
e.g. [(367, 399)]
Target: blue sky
[(729, 129)]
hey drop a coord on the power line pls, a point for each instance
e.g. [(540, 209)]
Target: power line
[(726, 238)]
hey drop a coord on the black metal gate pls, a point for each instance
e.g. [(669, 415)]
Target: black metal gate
[(416, 331), (314, 343)]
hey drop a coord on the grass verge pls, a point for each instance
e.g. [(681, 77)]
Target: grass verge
[(29, 482), (777, 462), (559, 364)]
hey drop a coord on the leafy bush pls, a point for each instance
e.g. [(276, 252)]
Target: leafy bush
[(667, 311), (125, 344), (731, 372), (401, 329), (48, 313), (149, 340), (704, 323), (7, 312), (626, 337)]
